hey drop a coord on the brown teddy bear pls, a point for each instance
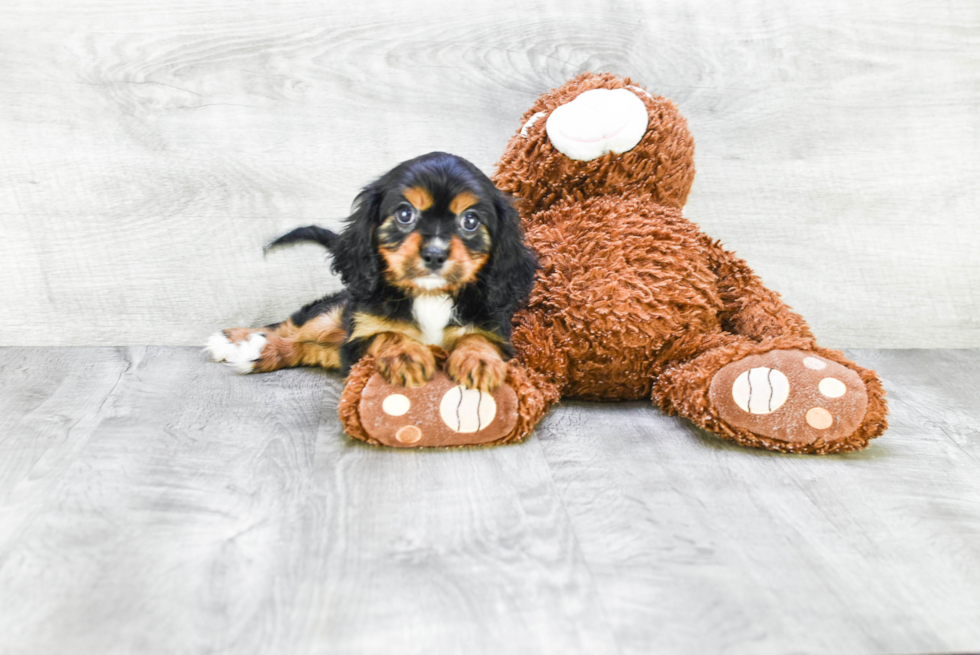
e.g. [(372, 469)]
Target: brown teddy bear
[(632, 301)]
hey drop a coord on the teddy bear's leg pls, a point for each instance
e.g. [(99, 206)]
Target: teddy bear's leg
[(764, 381), (750, 308), (440, 412), (780, 393)]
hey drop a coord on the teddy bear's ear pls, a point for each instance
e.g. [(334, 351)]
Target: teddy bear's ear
[(355, 253), (509, 274)]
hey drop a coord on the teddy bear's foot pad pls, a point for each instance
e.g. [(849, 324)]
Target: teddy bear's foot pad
[(790, 395), (439, 413)]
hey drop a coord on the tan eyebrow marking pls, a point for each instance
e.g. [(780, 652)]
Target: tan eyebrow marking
[(420, 198), (462, 202)]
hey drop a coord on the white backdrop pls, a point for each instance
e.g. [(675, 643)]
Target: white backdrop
[(148, 150)]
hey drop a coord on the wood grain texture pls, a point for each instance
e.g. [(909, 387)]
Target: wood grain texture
[(455, 551), (51, 401), (153, 502), (149, 153), (743, 551), (173, 529), (210, 512)]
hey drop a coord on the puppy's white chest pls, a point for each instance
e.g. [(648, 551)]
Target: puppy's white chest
[(433, 313)]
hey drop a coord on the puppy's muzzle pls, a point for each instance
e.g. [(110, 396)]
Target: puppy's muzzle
[(434, 257)]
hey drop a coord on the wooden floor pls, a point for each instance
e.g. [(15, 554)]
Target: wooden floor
[(151, 502)]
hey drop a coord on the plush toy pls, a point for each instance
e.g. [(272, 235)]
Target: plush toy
[(632, 301)]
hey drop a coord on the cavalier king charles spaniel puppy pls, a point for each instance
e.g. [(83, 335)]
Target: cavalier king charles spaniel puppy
[(432, 255)]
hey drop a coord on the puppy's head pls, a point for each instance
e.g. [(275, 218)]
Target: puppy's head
[(434, 224), (435, 231)]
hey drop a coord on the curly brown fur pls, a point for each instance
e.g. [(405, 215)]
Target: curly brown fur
[(348, 408), (632, 299)]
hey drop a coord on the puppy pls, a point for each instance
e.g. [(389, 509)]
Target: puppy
[(432, 255)]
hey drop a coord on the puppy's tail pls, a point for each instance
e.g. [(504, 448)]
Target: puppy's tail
[(313, 233)]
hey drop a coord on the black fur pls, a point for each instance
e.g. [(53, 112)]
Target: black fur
[(313, 233), (317, 307), (355, 256), (501, 286)]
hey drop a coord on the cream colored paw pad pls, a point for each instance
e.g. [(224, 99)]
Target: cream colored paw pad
[(761, 390), (832, 387), (819, 418), (408, 434), (814, 363), (396, 405), (467, 410)]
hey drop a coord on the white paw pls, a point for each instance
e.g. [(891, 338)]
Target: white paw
[(219, 347), (240, 355)]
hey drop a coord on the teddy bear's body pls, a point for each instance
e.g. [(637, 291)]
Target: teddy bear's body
[(624, 284)]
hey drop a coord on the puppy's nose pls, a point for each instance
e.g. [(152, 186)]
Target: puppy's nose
[(434, 257)]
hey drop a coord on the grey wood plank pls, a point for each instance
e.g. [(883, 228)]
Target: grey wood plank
[(171, 531), (173, 507), (210, 512), (698, 545), (149, 153), (442, 551), (51, 401), (939, 389)]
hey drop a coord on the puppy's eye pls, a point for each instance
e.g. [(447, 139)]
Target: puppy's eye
[(405, 215), (469, 221)]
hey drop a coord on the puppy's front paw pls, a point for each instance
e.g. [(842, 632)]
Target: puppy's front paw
[(240, 348), (407, 363), (475, 364)]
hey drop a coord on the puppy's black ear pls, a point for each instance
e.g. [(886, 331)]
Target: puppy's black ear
[(355, 252), (509, 275)]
